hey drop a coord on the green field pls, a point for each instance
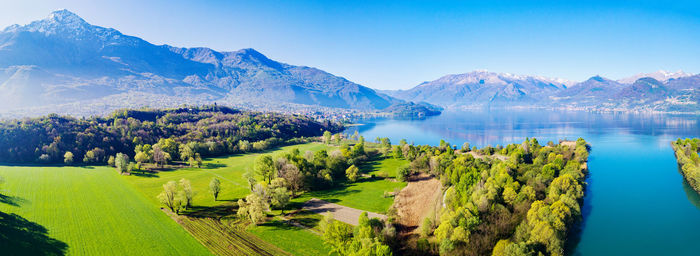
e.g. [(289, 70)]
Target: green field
[(229, 170), (92, 211), (95, 211), (367, 193), (292, 239)]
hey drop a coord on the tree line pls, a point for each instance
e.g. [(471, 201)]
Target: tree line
[(161, 135)]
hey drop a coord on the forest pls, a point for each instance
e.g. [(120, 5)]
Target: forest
[(521, 199), (688, 160), (181, 133)]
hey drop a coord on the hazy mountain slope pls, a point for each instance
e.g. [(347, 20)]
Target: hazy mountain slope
[(482, 88), (679, 92), (63, 59), (587, 93)]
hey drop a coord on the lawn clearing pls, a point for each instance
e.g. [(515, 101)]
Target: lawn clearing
[(387, 168), (367, 193), (93, 211), (295, 240)]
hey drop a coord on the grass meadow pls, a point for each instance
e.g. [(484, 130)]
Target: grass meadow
[(85, 211), (95, 211)]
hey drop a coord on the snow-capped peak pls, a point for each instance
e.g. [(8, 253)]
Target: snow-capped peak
[(58, 22), (66, 17), (661, 75)]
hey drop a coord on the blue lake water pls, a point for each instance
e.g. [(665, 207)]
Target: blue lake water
[(636, 201)]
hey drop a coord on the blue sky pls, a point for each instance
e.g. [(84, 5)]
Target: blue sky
[(399, 44)]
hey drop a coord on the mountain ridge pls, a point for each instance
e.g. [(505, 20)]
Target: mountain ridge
[(63, 63), (63, 55), (676, 92)]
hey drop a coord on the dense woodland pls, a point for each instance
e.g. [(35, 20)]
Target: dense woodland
[(172, 134), (521, 199), (688, 160)]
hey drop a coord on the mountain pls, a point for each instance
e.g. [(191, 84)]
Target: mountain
[(479, 88), (589, 92), (677, 92), (64, 61), (660, 75)]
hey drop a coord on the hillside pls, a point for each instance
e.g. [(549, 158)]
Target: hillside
[(62, 61)]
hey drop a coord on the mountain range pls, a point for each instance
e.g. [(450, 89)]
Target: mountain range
[(659, 91), (62, 60), (64, 64)]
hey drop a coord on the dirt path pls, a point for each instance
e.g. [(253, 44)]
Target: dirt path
[(420, 198), (341, 213)]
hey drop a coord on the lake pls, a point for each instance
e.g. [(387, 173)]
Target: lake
[(636, 202)]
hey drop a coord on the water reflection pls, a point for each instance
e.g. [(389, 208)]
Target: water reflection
[(692, 195), (482, 128)]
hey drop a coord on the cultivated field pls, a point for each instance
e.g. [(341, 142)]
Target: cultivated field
[(88, 211), (418, 200)]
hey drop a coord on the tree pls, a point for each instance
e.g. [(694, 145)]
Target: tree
[(186, 152), (396, 152), (253, 208), (198, 159), (192, 162), (244, 145), (279, 196), (68, 158), (294, 177), (351, 173), (169, 197), (327, 137), (168, 146), (250, 178), (338, 138), (336, 235), (121, 162), (160, 156), (465, 147), (111, 161), (141, 157), (265, 167), (427, 228), (215, 188), (403, 173), (187, 192), (89, 157), (364, 241)]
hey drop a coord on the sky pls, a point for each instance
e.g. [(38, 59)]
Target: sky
[(399, 44)]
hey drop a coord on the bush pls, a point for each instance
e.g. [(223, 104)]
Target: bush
[(404, 173)]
